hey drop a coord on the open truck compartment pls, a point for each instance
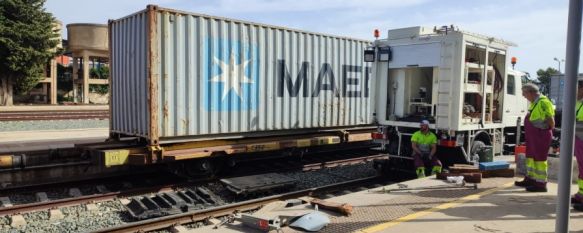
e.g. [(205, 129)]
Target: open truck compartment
[(452, 78), (461, 82)]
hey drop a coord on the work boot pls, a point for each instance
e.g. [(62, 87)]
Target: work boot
[(524, 183), (435, 170), (420, 172), (534, 188), (576, 199)]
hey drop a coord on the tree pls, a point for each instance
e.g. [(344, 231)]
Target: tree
[(27, 43), (544, 78)]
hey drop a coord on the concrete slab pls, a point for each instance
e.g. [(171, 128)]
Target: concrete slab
[(227, 228), (124, 201), (42, 197), (213, 221), (91, 207), (75, 192), (179, 229), (102, 189), (55, 214), (127, 185), (17, 221), (5, 201)]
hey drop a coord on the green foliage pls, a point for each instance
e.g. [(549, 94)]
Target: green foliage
[(26, 42), (544, 78), (97, 88), (101, 72), (61, 98)]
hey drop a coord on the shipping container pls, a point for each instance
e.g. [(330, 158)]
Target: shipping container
[(184, 76), (556, 90)]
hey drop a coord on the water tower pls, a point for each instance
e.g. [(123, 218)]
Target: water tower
[(88, 43)]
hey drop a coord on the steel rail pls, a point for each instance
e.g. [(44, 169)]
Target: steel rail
[(335, 163), (53, 115), (199, 215), (38, 206)]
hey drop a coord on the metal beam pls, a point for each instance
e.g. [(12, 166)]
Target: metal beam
[(568, 118)]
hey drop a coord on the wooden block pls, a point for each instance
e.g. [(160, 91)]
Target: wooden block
[(345, 208), (463, 165), (475, 177), (463, 170)]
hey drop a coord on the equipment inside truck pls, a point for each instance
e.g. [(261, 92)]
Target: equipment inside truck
[(413, 87), (411, 90), (459, 81), (483, 84)]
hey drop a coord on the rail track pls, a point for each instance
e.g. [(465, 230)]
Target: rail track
[(312, 164), (25, 208), (195, 216), (54, 115)]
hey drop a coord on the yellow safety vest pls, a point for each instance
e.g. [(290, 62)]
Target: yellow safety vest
[(540, 110), (579, 120)]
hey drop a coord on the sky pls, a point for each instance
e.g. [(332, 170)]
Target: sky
[(538, 27)]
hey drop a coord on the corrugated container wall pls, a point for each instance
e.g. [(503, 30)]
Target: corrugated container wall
[(556, 90), (557, 85), (203, 76)]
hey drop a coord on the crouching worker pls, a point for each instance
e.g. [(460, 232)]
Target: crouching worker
[(424, 144)]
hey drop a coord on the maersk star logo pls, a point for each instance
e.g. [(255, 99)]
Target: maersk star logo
[(231, 75)]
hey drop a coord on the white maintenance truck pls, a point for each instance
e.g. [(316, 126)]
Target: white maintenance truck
[(461, 82)]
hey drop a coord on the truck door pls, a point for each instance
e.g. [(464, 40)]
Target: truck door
[(515, 105)]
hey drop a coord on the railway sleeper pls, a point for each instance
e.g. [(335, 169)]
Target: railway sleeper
[(170, 203)]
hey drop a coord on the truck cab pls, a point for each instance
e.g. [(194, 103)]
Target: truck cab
[(461, 82), (515, 105)]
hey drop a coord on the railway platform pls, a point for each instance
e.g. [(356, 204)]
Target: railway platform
[(49, 139), (42, 108), (495, 206)]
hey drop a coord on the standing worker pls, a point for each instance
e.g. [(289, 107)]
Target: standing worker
[(538, 126), (577, 199), (424, 144)]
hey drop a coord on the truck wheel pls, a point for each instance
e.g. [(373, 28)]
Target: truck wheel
[(477, 146)]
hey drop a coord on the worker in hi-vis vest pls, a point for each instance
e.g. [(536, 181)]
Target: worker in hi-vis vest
[(424, 144), (577, 199), (538, 126)]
